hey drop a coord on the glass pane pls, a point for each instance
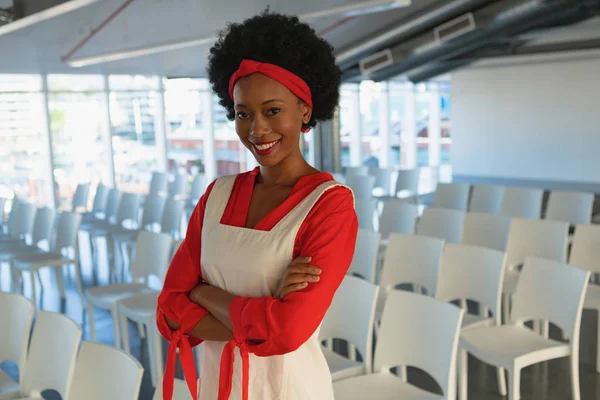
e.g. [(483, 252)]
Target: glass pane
[(397, 116), (186, 128), (134, 119), (79, 142), (176, 84), (308, 138), (370, 93), (446, 125), (75, 83), (23, 148), (422, 118), (230, 153), (20, 83), (133, 82), (346, 94)]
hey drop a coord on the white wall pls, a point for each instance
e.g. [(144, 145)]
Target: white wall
[(528, 122)]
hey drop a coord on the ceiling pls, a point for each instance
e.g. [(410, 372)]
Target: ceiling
[(39, 48)]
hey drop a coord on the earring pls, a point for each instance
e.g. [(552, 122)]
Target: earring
[(305, 129)]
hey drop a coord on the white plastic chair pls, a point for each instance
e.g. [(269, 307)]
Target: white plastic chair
[(442, 223), (410, 259), (572, 207), (416, 331), (407, 183), (532, 238), (103, 372), (453, 196), (180, 390), (486, 230), (357, 170), (350, 317), (151, 258), (41, 234), (585, 254), (361, 185), (522, 202), (159, 183), (383, 180), (171, 219), (52, 354), (63, 251), (16, 312), (3, 201), (486, 199), (365, 211), (100, 202), (80, 198), (364, 261), (547, 290), (20, 222), (179, 186), (397, 216)]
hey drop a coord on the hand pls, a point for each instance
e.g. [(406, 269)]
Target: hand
[(297, 276)]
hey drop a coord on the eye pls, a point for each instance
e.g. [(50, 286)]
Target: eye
[(241, 115), (273, 111)]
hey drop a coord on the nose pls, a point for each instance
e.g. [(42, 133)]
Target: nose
[(259, 126)]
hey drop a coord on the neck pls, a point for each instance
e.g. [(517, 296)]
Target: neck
[(287, 172)]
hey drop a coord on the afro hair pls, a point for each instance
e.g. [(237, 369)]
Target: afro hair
[(286, 42)]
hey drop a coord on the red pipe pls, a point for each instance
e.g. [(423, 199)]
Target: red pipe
[(94, 31), (335, 26)]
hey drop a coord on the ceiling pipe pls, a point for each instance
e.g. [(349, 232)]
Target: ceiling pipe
[(413, 27), (512, 22), (94, 31)]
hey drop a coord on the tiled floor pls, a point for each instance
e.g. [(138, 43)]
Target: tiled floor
[(548, 381)]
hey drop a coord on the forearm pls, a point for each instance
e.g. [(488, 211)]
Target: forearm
[(208, 328), (216, 301)]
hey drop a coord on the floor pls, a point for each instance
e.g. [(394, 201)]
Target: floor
[(548, 381)]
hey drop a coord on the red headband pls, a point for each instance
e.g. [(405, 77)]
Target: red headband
[(288, 79)]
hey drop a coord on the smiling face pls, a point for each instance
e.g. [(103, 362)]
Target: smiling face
[(268, 118)]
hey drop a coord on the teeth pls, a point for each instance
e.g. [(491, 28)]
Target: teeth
[(265, 146)]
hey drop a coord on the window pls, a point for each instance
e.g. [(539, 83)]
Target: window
[(23, 140), (135, 109), (347, 93), (370, 94), (79, 132), (230, 153), (446, 121), (186, 124), (397, 111), (423, 101)]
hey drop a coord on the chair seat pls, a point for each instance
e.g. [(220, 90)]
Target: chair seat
[(9, 388), (106, 296), (42, 259), (342, 367), (508, 345), (592, 297), (511, 278), (472, 320), (125, 235), (140, 307), (380, 386), (18, 251)]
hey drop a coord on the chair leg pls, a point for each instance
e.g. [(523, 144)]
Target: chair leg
[(575, 390), (61, 281), (90, 307), (501, 381), (514, 384), (598, 347), (155, 354), (78, 282), (141, 330), (116, 328), (463, 374), (546, 329), (125, 334), (506, 307), (33, 294)]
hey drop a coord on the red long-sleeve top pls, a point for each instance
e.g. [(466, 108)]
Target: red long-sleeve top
[(328, 235)]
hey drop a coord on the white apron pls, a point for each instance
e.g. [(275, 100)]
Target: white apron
[(248, 262)]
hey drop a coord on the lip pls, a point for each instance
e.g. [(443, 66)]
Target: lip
[(267, 151)]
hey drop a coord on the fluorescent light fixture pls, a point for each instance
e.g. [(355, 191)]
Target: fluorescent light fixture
[(44, 15), (358, 9), (137, 52)]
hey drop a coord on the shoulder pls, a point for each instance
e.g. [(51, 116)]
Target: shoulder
[(335, 198)]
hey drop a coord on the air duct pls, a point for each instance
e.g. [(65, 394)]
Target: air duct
[(513, 21)]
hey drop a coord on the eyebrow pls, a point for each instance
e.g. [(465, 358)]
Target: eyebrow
[(263, 103)]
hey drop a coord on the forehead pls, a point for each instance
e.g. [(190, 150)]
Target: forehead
[(258, 88)]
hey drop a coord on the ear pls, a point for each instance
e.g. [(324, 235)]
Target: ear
[(306, 112)]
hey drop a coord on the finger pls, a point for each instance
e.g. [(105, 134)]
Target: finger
[(299, 278), (301, 260), (303, 269), (293, 288)]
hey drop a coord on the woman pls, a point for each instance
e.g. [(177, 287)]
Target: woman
[(265, 250)]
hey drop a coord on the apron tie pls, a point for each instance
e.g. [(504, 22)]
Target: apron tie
[(186, 357), (227, 363)]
